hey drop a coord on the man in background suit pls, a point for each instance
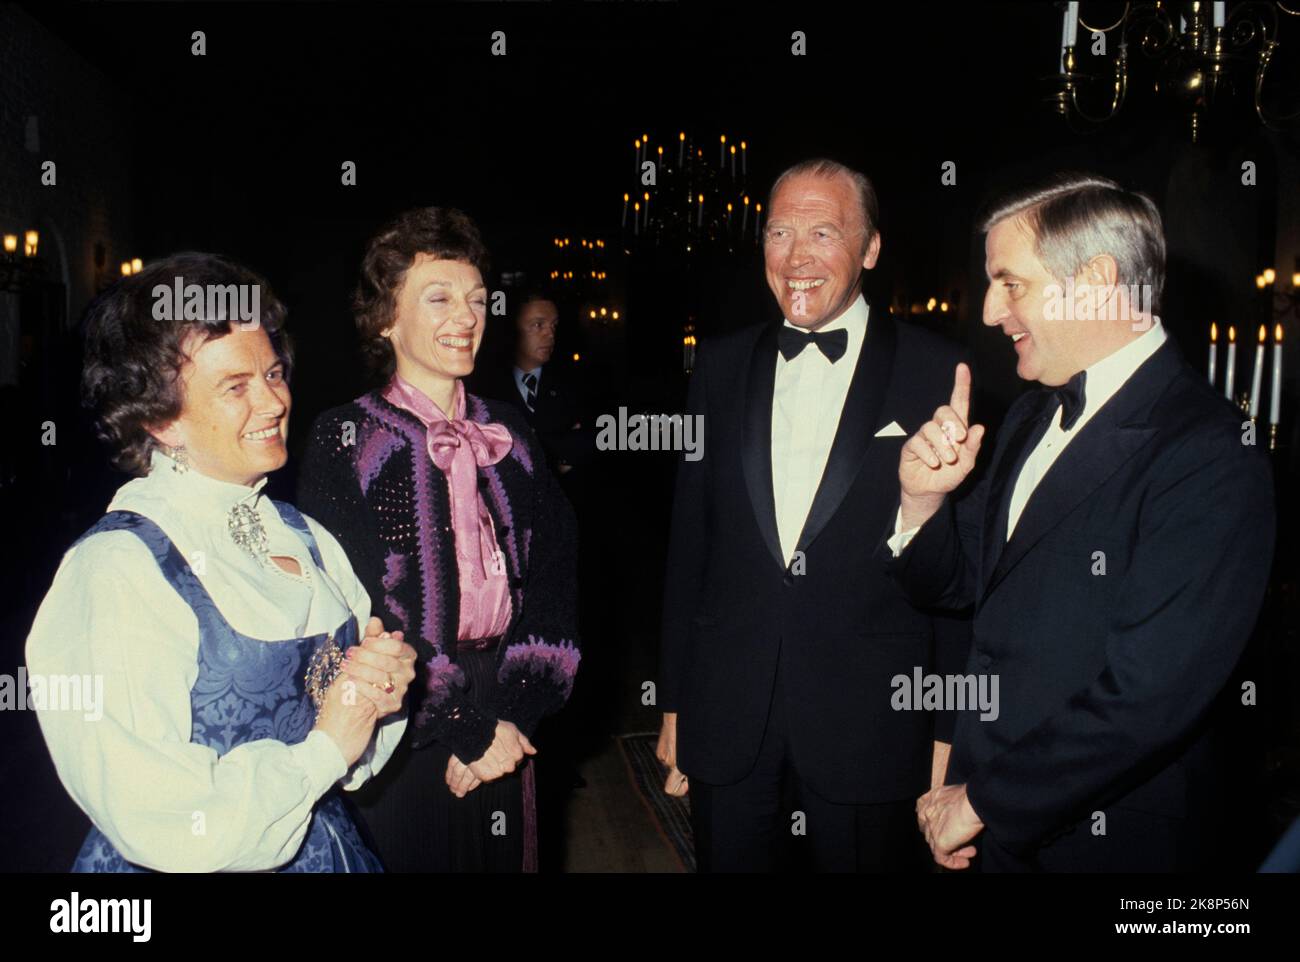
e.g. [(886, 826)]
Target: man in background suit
[(550, 400), (1116, 553), (780, 635)]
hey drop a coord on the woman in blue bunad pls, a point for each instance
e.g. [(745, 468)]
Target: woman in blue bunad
[(219, 628)]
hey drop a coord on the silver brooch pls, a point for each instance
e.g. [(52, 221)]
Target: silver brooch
[(246, 531)]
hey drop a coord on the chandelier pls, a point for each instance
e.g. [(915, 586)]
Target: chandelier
[(1200, 49), (689, 195)]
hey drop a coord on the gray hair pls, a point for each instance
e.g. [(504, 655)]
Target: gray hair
[(824, 167), (1076, 217)]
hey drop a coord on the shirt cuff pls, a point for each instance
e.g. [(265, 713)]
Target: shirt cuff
[(901, 539), (321, 759)]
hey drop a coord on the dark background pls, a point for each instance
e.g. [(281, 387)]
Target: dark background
[(239, 152)]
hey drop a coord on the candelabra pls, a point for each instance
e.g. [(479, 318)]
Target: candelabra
[(1197, 56), (683, 201)]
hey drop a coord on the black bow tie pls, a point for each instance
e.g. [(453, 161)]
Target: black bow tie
[(1072, 398), (831, 343)]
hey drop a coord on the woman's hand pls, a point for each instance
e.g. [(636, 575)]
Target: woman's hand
[(382, 658), (461, 778), (348, 716), (504, 754)]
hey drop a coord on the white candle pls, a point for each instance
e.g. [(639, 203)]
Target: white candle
[(1069, 29), (1214, 351), (722, 152), (744, 163), (1275, 401), (1230, 375), (681, 146), (636, 219), (1257, 376), (625, 211), (1218, 13), (744, 220)]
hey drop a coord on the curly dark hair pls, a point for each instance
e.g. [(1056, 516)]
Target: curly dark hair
[(441, 232), (130, 380)]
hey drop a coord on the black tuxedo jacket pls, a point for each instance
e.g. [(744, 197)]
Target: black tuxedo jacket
[(841, 629), (1106, 681)]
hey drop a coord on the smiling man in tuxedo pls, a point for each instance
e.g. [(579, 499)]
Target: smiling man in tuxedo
[(1116, 553), (781, 636)]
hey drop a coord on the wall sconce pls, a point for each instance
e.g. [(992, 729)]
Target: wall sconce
[(31, 240)]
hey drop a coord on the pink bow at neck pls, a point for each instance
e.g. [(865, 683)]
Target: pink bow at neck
[(459, 447)]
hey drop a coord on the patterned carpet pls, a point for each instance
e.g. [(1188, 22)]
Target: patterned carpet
[(672, 816)]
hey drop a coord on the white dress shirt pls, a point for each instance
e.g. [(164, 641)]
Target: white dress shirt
[(807, 401), (1104, 379), (112, 614)]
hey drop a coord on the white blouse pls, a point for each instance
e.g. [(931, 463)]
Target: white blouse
[(164, 803)]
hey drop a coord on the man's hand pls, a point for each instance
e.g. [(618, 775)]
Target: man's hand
[(948, 823), (936, 459), (666, 751)]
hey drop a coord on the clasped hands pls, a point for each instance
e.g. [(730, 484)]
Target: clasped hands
[(379, 670), (949, 823), (503, 756)]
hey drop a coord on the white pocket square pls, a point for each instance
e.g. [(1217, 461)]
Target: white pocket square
[(891, 430)]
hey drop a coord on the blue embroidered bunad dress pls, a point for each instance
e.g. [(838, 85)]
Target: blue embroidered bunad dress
[(198, 753)]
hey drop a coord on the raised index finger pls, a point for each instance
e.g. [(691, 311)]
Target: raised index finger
[(961, 393)]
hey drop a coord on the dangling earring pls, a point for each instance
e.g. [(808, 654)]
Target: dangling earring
[(181, 461)]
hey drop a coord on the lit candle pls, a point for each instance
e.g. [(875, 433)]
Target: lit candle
[(699, 218), (733, 161), (1214, 351), (1257, 376), (681, 146), (625, 200), (636, 218), (1069, 29), (722, 151), (744, 217), (758, 218), (744, 163), (661, 156), (647, 210), (1230, 375), (1218, 14), (1275, 401), (637, 145)]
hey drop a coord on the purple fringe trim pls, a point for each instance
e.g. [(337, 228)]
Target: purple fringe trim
[(443, 676), (545, 660)]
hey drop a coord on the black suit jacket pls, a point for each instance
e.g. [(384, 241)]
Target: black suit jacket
[(559, 406), (842, 629), (1106, 681)]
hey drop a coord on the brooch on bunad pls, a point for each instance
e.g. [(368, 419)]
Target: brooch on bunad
[(325, 665)]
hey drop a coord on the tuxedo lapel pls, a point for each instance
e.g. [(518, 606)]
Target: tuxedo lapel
[(857, 426), (1108, 440), (756, 448), (1024, 437)]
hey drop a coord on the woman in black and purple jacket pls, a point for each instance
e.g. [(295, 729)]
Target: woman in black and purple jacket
[(461, 536)]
